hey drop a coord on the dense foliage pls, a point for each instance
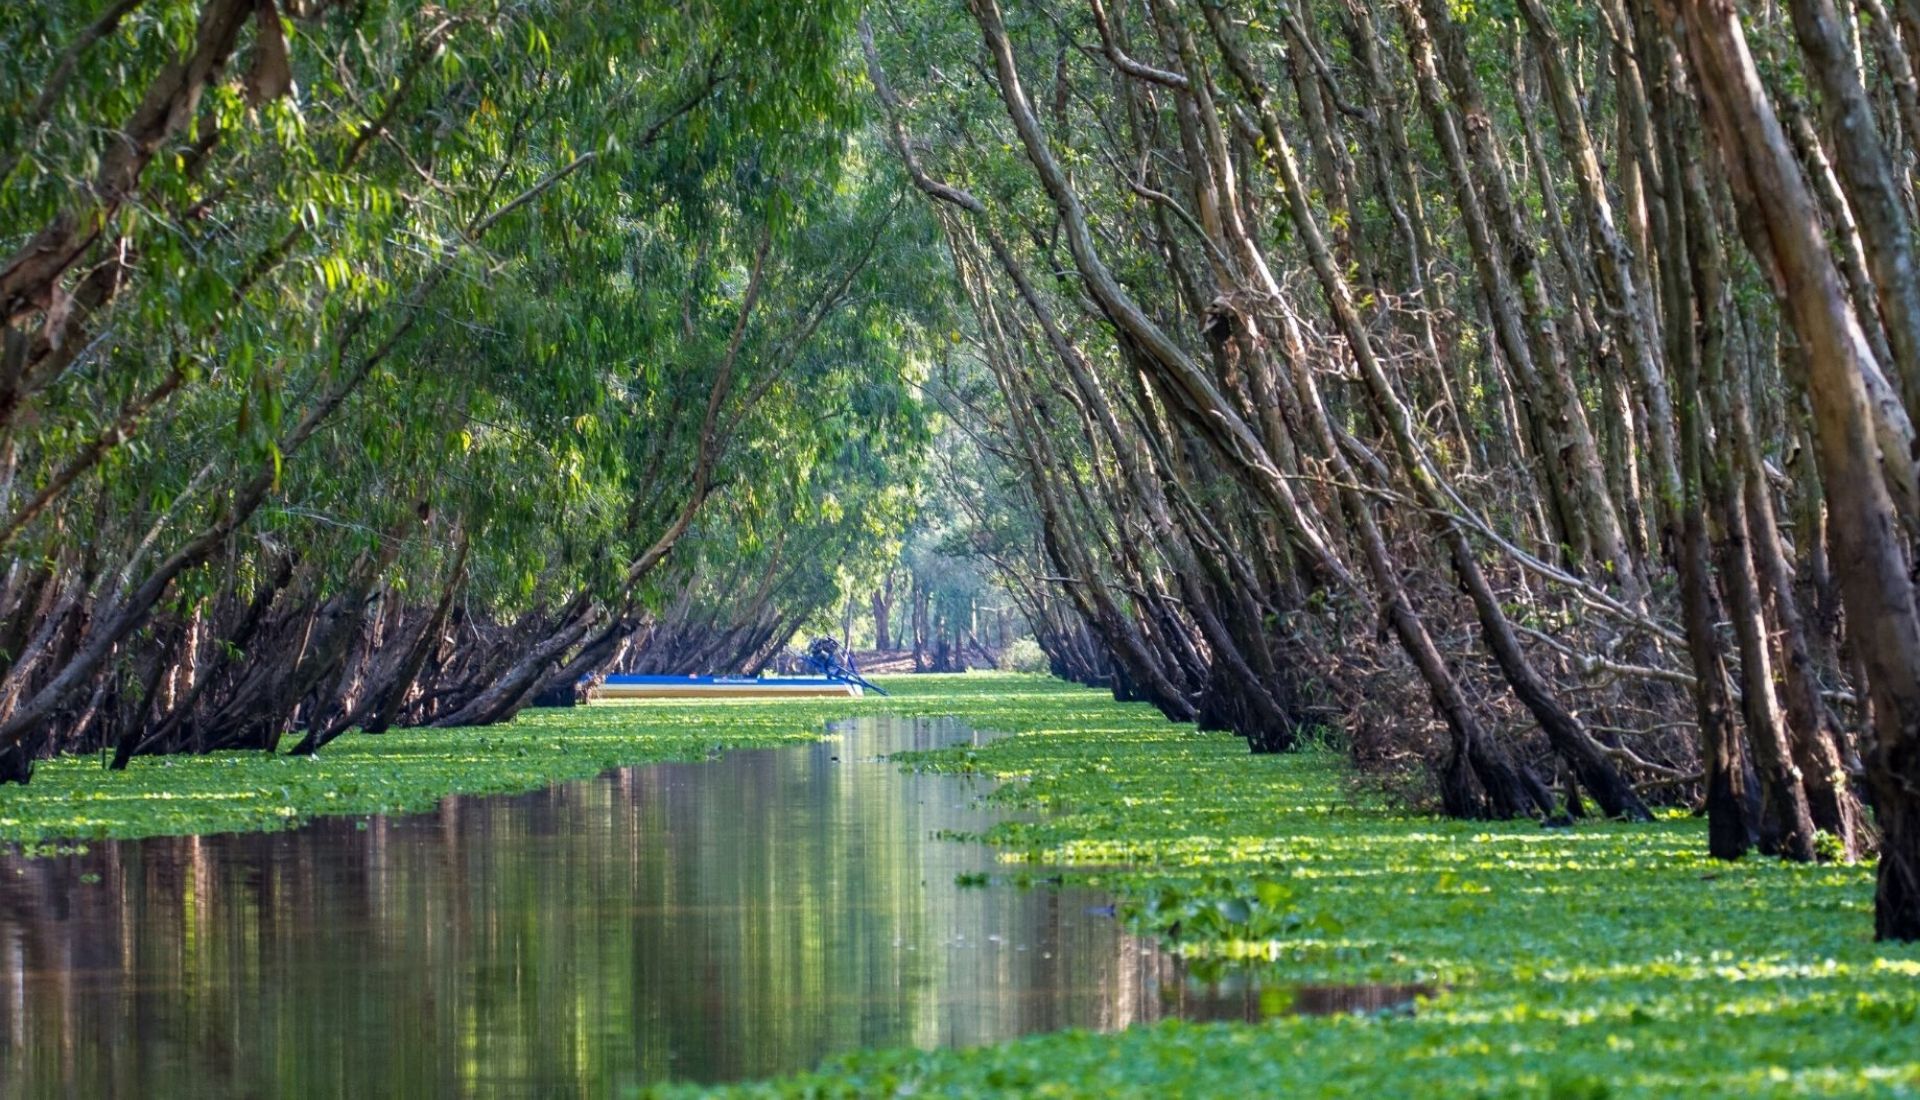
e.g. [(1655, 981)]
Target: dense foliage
[(366, 363)]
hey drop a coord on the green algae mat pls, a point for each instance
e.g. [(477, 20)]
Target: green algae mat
[(1604, 960), (76, 799), (1600, 961)]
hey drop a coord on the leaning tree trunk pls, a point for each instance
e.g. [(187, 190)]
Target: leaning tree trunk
[(1565, 731), (1872, 566)]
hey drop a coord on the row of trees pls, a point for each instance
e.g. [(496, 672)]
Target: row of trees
[(383, 363), (1529, 388), (1544, 369)]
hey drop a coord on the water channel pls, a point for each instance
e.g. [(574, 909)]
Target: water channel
[(703, 922)]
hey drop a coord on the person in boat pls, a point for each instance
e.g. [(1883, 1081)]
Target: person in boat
[(824, 654)]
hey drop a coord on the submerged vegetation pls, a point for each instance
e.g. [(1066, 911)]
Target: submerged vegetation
[(1603, 959), (401, 772)]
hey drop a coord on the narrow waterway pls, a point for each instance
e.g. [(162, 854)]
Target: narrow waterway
[(702, 922)]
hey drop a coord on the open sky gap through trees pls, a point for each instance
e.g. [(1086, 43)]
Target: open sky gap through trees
[(1518, 394)]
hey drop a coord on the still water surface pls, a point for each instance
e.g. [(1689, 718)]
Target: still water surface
[(702, 922)]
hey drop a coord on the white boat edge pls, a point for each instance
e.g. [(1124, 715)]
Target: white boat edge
[(763, 689)]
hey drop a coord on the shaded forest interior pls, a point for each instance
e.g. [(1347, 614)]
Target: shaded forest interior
[(1519, 395)]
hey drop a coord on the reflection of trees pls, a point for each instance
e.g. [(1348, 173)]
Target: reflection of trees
[(701, 921)]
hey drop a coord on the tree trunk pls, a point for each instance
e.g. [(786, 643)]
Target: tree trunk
[(1872, 566), (882, 612)]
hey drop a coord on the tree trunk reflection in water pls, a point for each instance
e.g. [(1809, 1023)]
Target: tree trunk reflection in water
[(695, 921)]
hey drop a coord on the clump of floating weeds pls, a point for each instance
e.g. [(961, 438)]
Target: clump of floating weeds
[(1600, 961)]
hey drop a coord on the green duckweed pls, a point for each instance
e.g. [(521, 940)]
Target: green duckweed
[(1600, 961), (77, 799), (1604, 960)]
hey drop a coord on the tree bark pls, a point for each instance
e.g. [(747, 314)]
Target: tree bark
[(1872, 566)]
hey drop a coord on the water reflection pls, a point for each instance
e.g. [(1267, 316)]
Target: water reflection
[(700, 922)]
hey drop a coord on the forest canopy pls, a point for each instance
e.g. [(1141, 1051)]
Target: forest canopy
[(337, 330)]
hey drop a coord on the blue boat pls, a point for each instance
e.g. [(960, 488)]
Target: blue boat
[(628, 686)]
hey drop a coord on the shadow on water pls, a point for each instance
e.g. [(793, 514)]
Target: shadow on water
[(1241, 997), (702, 922)]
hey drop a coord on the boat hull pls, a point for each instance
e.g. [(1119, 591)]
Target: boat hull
[(720, 687)]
